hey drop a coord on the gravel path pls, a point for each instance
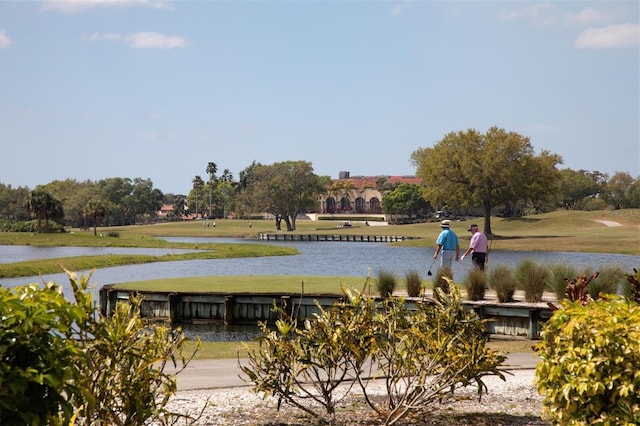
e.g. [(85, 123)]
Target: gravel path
[(514, 402)]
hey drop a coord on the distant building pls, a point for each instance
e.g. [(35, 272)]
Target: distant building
[(359, 194), (165, 212)]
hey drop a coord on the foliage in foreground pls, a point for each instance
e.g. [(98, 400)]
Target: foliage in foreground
[(61, 362), (420, 354), (590, 353)]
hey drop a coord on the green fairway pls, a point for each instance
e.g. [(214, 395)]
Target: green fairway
[(562, 230), (250, 284)]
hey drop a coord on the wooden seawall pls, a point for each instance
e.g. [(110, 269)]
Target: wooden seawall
[(515, 319)]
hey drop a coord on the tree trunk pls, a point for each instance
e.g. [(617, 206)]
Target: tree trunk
[(487, 218)]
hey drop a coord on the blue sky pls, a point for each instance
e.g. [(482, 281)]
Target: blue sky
[(91, 89)]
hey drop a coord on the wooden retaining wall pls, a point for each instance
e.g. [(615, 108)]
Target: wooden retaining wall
[(519, 319)]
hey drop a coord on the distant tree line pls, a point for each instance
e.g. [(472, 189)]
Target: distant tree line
[(497, 172)]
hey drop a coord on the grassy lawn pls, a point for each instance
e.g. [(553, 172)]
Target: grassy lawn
[(562, 230), (251, 284), (230, 350)]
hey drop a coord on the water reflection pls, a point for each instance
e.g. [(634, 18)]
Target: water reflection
[(220, 332)]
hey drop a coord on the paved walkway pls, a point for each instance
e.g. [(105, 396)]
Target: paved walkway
[(225, 373)]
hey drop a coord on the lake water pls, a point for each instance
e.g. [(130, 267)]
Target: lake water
[(316, 258)]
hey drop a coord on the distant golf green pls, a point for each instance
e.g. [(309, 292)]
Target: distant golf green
[(251, 284)]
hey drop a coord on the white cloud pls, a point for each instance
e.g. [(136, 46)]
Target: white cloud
[(537, 14), (147, 40), (618, 35), (4, 40), (401, 7), (590, 16), (73, 6), (142, 40)]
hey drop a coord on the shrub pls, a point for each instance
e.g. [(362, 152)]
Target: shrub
[(610, 280), (590, 355), (558, 273), (503, 281), (386, 283), (421, 355), (426, 354), (35, 372), (532, 279), (414, 283), (631, 289), (303, 366), (440, 281), (476, 284), (63, 363)]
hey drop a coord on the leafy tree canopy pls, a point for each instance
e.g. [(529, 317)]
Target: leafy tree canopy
[(282, 189), (469, 168)]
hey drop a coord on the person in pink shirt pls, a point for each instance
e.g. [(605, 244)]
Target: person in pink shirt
[(477, 247)]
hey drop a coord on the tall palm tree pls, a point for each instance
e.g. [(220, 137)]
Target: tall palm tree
[(44, 206), (212, 169), (198, 183), (94, 209)]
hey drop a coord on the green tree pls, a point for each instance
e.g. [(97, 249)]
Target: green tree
[(576, 186), (197, 185), (282, 189), (114, 192), (45, 207), (73, 196), (619, 191), (474, 169), (14, 202), (95, 210), (144, 200), (406, 199)]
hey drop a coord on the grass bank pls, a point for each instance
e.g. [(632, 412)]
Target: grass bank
[(251, 284), (230, 350), (82, 263)]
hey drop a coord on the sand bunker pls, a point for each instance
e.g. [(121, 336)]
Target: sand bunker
[(609, 222)]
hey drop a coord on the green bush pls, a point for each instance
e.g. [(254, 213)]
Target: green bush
[(476, 284), (610, 281), (413, 282), (421, 355), (386, 283), (531, 278), (589, 363), (29, 226), (35, 356), (558, 274), (61, 362), (503, 281)]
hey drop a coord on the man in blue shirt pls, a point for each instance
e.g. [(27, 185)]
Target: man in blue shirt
[(447, 245)]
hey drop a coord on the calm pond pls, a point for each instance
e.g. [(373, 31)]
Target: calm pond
[(316, 258)]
